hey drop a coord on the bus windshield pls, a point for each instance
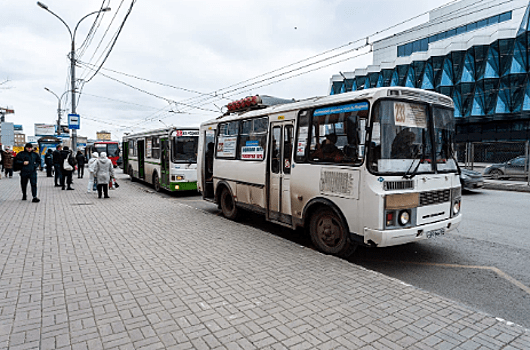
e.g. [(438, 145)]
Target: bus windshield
[(185, 149), (401, 141), (113, 150)]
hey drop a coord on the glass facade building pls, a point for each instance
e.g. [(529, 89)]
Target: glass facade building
[(489, 83)]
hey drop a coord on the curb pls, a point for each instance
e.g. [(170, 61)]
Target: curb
[(507, 187)]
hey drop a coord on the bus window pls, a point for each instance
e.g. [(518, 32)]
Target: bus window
[(276, 139), (185, 149), (227, 140), (100, 148), (303, 134), (287, 148), (155, 148), (253, 139), (113, 150), (335, 133)]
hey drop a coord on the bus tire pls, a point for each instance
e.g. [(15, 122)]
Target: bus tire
[(156, 182), (329, 233), (228, 205), (131, 174)]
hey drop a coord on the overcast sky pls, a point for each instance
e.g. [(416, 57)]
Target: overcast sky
[(180, 50)]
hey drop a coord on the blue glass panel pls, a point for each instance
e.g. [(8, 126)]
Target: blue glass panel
[(409, 82), (526, 100), (424, 44), (450, 33), (395, 79), (482, 23), (401, 51), (468, 71), (478, 102), (408, 49), (493, 20), (380, 80), (457, 99), (518, 63), (503, 99), (367, 83), (416, 46), (524, 23), (348, 85), (354, 85), (461, 30), (427, 81), (506, 16), (447, 74), (471, 26), (492, 64)]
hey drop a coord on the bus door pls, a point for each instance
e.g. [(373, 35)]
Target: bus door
[(141, 158), (164, 163), (207, 172), (281, 150), (125, 156)]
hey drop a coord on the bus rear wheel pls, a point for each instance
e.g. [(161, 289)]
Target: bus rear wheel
[(131, 174), (329, 234), (228, 205), (156, 182)]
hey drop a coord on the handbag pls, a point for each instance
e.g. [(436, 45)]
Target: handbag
[(67, 166)]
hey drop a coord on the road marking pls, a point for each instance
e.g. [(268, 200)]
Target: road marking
[(499, 272)]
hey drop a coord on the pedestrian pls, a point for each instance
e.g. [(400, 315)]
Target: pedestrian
[(48, 160), (80, 158), (1, 158), (28, 161), (68, 159), (104, 172), (9, 156), (57, 165), (91, 175)]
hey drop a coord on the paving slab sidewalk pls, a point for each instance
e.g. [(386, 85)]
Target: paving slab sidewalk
[(145, 271)]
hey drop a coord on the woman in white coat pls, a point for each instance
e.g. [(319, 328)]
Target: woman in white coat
[(91, 166), (104, 171)]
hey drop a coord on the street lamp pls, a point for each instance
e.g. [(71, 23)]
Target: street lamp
[(72, 60), (59, 110)]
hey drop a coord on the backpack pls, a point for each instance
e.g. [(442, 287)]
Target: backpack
[(66, 165)]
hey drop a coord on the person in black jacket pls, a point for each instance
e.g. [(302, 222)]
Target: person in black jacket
[(28, 162), (48, 160), (67, 174), (80, 158), (57, 165)]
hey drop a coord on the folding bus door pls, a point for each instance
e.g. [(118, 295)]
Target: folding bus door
[(280, 160), (164, 163)]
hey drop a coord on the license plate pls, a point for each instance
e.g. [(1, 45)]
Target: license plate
[(435, 233)]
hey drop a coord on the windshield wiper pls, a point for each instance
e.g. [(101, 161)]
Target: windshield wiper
[(419, 153)]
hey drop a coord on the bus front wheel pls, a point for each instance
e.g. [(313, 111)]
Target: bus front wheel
[(228, 205), (329, 234)]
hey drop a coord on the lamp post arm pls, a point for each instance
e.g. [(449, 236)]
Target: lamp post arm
[(77, 25), (60, 19)]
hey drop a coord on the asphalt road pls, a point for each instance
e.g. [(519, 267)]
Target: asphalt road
[(484, 265)]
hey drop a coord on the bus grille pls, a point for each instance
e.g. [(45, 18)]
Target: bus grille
[(398, 185), (434, 197)]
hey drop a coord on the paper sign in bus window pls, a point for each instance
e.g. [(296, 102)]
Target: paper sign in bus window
[(410, 115), (226, 147), (252, 150)]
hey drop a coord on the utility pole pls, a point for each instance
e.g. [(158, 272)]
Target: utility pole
[(72, 60)]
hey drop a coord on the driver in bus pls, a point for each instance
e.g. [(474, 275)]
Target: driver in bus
[(328, 151), (402, 145)]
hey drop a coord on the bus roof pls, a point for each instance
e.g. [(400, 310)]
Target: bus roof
[(161, 131), (409, 93)]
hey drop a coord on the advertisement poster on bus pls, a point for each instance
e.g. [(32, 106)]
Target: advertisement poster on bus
[(252, 150), (226, 147)]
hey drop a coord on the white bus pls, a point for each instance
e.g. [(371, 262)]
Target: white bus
[(373, 167), (165, 158)]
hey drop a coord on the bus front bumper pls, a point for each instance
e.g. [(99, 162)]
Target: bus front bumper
[(379, 238)]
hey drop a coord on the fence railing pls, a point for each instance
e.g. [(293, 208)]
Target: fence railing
[(507, 159)]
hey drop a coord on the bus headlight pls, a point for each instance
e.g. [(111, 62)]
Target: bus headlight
[(456, 207), (404, 217)]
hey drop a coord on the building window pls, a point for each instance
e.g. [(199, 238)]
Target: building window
[(422, 45)]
